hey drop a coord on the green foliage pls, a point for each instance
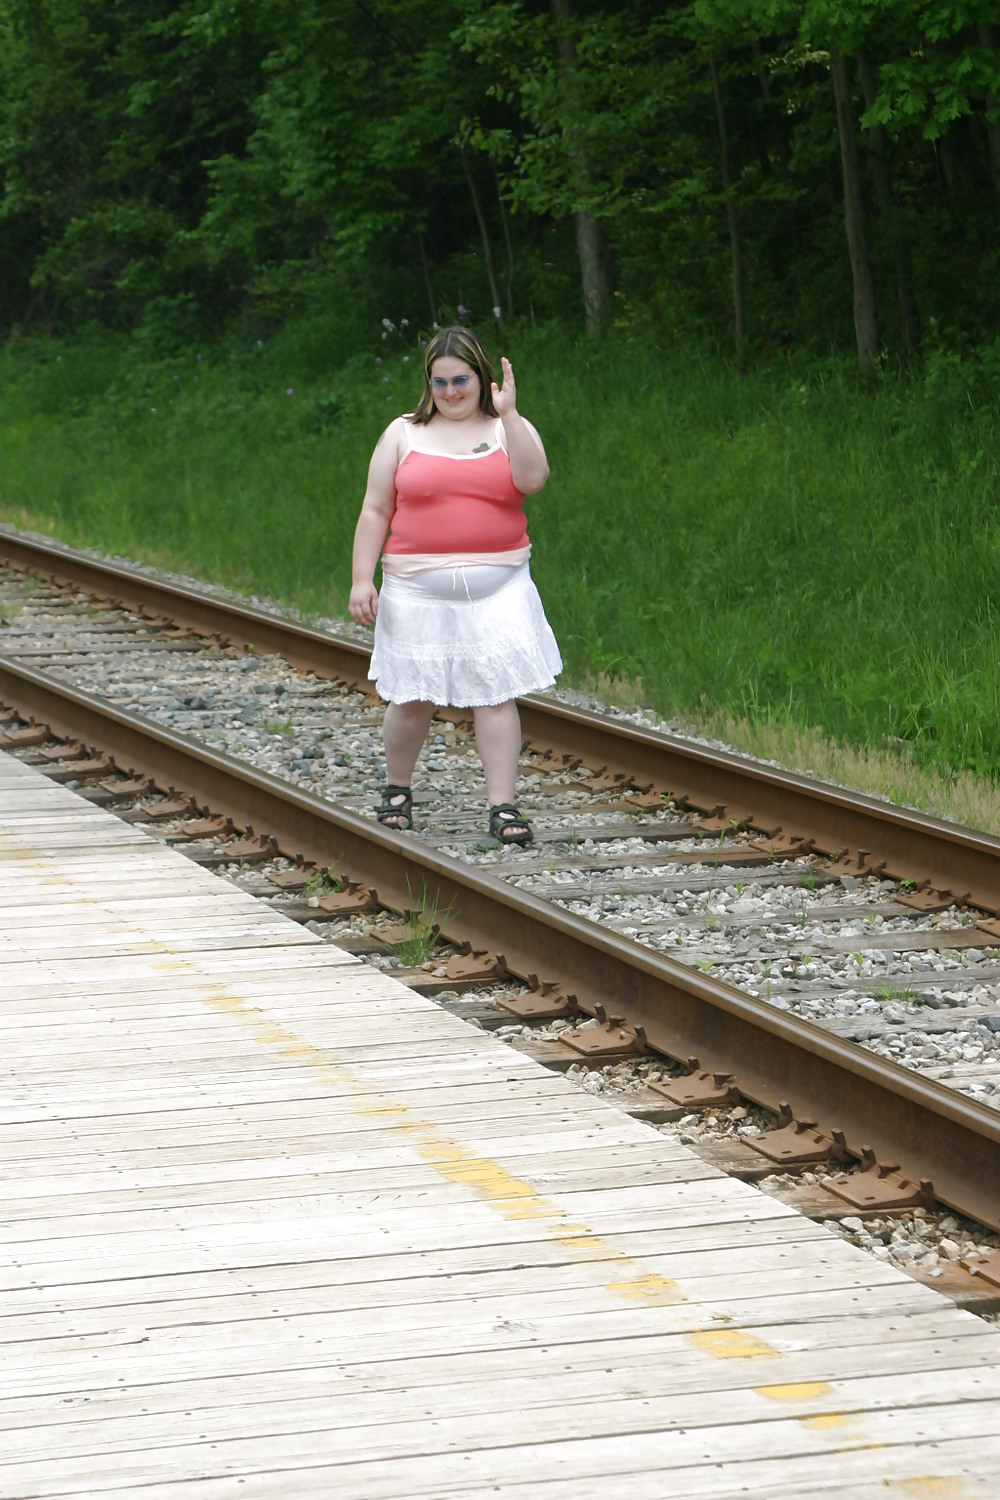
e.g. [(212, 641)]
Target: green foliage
[(206, 166)]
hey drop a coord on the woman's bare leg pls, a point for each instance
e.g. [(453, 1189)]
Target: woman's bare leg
[(498, 740), (404, 730)]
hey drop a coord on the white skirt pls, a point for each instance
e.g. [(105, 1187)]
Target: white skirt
[(467, 636)]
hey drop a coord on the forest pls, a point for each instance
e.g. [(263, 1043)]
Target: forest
[(745, 255), (764, 174)]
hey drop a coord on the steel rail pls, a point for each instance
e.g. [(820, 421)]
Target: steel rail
[(931, 1132), (912, 846)]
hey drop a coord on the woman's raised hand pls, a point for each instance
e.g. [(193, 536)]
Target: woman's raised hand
[(505, 396)]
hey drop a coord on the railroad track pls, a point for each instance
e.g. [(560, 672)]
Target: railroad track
[(777, 939)]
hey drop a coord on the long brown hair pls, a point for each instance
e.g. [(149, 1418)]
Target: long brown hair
[(460, 343)]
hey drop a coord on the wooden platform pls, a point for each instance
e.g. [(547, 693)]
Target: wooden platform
[(276, 1227)]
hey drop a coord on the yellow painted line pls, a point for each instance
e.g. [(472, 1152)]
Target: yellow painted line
[(944, 1487), (804, 1390), (652, 1289), (731, 1343)]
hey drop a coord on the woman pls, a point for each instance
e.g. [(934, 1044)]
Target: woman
[(459, 621)]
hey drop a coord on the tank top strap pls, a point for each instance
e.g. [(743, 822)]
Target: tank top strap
[(407, 437), (501, 436)]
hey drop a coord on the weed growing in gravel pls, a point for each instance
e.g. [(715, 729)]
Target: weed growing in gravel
[(425, 919), (323, 882)]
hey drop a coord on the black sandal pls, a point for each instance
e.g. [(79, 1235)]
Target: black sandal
[(395, 811), (507, 825)]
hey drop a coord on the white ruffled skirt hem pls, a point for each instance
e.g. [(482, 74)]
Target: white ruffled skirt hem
[(464, 637)]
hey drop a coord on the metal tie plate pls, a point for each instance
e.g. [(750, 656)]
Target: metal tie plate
[(475, 963), (546, 1001), (249, 849), (353, 897), (796, 1143), (296, 879), (604, 780), (927, 898), (987, 1266), (699, 1089), (132, 786), (719, 820), (880, 1185), (88, 768), (170, 807), (208, 827), (611, 1040), (21, 739), (841, 863), (68, 750), (785, 846)]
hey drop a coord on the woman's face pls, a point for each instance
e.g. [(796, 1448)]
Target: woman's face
[(454, 387)]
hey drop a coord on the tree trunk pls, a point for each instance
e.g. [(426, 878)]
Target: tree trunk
[(781, 134), (865, 315), (988, 39), (428, 285), (505, 222), (878, 160), (484, 234), (732, 215), (597, 275), (955, 164)]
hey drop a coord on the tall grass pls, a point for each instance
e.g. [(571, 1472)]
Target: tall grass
[(773, 545)]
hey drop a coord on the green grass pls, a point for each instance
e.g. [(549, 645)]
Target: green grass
[(777, 546)]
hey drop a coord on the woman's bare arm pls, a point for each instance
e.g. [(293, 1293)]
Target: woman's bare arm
[(373, 524), (529, 467)]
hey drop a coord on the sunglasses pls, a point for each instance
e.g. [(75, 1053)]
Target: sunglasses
[(438, 382)]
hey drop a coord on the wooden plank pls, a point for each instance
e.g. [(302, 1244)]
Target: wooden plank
[(357, 1428), (204, 1047), (941, 1470), (41, 1160), (260, 1184), (139, 1134), (708, 1193), (131, 903), (681, 1380), (132, 1355), (580, 1286), (69, 1261), (386, 1462), (669, 1363), (697, 1245)]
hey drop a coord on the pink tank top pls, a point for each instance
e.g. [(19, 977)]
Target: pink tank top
[(456, 503)]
